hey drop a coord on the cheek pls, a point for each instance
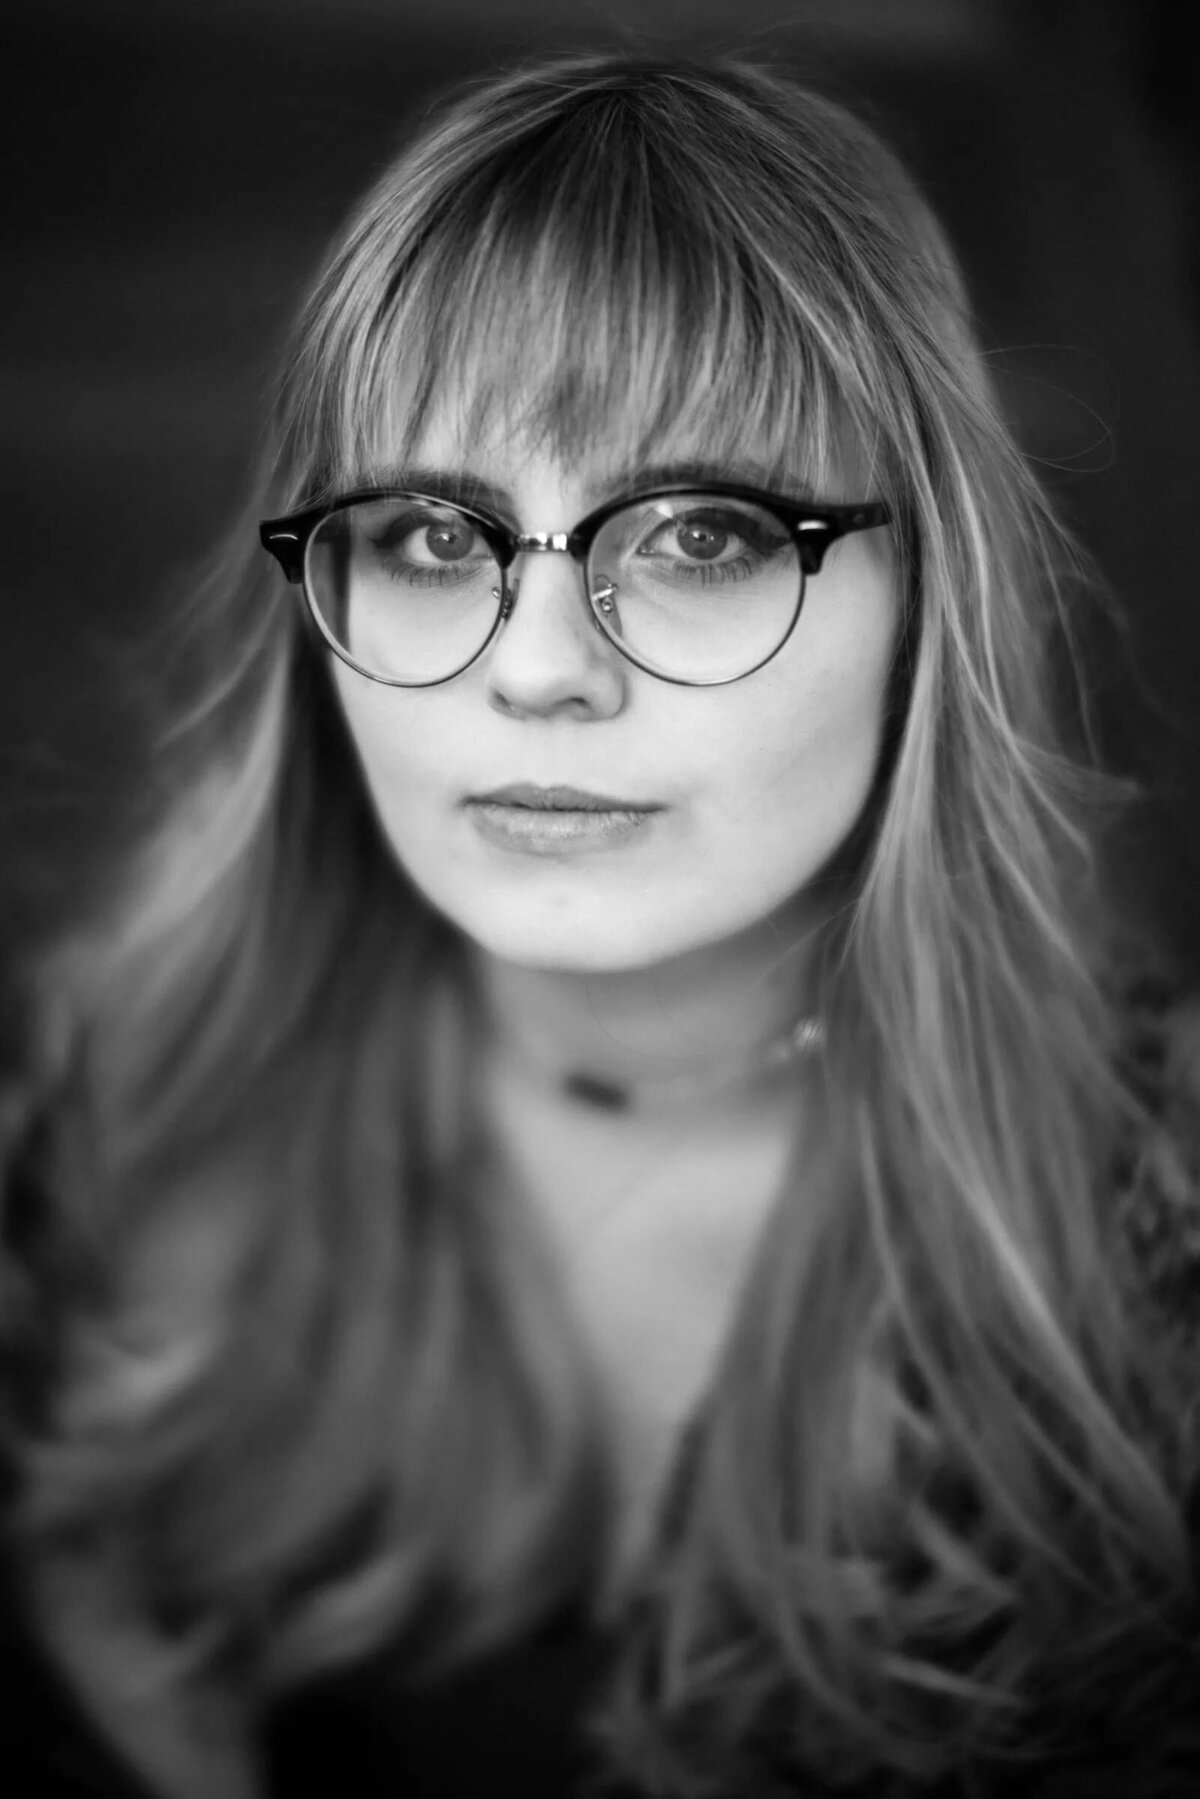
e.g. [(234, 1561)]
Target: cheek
[(790, 775), (399, 754)]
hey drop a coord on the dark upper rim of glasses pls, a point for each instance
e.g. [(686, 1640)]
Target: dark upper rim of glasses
[(812, 526)]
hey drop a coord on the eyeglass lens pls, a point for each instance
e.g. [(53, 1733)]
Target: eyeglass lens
[(695, 587)]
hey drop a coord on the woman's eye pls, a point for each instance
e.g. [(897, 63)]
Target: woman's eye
[(699, 538), (446, 542), (425, 542)]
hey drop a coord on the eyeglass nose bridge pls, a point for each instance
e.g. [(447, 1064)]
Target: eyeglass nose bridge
[(543, 540), (560, 541)]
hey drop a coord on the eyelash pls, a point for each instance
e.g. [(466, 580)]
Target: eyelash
[(713, 574), (413, 576)]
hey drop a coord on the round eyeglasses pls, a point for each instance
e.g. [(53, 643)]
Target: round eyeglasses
[(700, 587)]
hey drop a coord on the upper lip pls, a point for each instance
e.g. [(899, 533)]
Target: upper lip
[(557, 799)]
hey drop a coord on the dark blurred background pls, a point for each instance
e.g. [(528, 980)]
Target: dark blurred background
[(177, 167)]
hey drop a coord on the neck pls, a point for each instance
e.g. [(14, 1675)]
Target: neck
[(691, 1017)]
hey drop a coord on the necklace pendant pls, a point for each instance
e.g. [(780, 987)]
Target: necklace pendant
[(591, 1090)]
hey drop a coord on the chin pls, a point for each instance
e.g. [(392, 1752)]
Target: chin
[(602, 941), (572, 951)]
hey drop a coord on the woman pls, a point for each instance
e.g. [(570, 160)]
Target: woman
[(594, 1205)]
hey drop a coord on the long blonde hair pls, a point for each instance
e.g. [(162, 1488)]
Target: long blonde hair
[(304, 1390)]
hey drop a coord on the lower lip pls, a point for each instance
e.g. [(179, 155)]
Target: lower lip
[(546, 832)]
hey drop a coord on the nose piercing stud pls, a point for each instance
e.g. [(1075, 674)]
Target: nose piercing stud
[(604, 597)]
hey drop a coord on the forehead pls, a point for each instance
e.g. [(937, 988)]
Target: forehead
[(514, 465), (478, 395)]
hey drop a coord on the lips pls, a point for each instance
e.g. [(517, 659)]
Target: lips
[(556, 822), (558, 799)]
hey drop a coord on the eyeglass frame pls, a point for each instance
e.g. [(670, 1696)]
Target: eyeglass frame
[(813, 528)]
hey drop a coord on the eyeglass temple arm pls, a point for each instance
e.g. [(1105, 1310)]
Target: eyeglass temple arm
[(814, 535)]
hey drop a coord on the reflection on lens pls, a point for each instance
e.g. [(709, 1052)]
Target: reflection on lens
[(698, 587), (409, 589)]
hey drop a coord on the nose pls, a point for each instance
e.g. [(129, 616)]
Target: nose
[(549, 658)]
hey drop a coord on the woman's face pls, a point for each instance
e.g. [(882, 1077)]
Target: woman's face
[(736, 795)]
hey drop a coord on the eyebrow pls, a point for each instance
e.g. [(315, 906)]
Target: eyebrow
[(464, 487)]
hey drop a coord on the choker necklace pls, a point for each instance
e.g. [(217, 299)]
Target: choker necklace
[(619, 1096)]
